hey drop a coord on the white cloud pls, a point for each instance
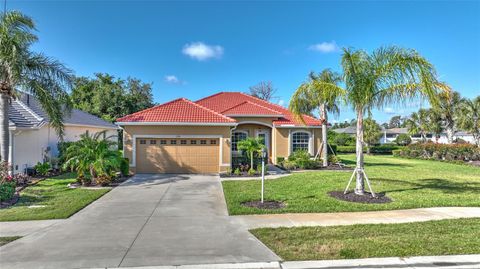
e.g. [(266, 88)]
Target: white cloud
[(201, 51), (172, 79), (281, 102), (325, 47)]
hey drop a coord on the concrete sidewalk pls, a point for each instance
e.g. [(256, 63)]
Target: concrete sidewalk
[(23, 228), (351, 218)]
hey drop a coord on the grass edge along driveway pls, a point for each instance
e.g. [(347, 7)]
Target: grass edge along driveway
[(7, 239), (439, 237), (51, 199), (410, 183)]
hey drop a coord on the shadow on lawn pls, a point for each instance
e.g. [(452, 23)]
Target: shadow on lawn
[(352, 163), (439, 184)]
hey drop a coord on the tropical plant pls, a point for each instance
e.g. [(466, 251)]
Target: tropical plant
[(93, 155), (403, 139), (468, 117), (444, 114), (419, 123), (388, 76), (42, 168), (252, 146), (34, 73), (320, 91), (372, 133)]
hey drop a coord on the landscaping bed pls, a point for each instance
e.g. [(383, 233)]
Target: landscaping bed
[(7, 239), (408, 183), (444, 237)]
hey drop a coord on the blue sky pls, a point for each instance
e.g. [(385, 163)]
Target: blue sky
[(194, 49)]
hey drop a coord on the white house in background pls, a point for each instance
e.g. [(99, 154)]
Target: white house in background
[(389, 135), (33, 140)]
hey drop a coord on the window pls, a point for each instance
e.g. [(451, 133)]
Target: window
[(183, 142), (237, 137), (203, 142), (143, 141), (213, 142), (193, 142), (173, 142), (163, 142), (300, 141), (153, 142)]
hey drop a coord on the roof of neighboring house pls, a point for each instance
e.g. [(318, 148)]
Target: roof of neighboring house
[(177, 111), (26, 112), (346, 130), (396, 131), (224, 101)]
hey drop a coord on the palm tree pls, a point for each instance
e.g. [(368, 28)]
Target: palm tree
[(446, 111), (251, 146), (320, 91), (419, 123), (31, 72), (372, 132), (468, 117), (94, 155)]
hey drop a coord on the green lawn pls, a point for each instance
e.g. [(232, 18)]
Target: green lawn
[(410, 183), (50, 199), (444, 237), (8, 239)]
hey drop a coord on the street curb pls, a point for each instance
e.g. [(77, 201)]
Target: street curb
[(248, 265)]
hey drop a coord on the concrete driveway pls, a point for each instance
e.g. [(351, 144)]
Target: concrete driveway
[(149, 220)]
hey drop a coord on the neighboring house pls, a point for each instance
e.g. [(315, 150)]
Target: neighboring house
[(390, 135), (182, 136), (33, 140)]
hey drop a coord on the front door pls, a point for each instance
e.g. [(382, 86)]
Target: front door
[(264, 135)]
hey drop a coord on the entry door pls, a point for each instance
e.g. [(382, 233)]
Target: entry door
[(265, 136)]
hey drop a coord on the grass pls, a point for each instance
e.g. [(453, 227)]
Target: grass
[(444, 237), (50, 199), (8, 239), (410, 183)]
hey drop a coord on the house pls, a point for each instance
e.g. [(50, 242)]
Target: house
[(33, 140), (182, 136)]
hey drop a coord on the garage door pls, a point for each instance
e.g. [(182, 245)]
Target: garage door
[(177, 155)]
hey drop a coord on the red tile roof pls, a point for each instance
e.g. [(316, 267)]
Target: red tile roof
[(225, 100), (180, 110), (215, 109), (249, 108)]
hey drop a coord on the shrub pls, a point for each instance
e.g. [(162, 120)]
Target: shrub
[(343, 140), (380, 149), (7, 190), (252, 172), (447, 152), (289, 165), (42, 168), (333, 159), (124, 167), (302, 159), (280, 160), (237, 172), (62, 149), (332, 149), (403, 140), (228, 171)]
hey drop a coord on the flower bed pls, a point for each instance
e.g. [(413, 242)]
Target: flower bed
[(442, 152)]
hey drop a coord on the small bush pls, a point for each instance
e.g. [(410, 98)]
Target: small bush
[(7, 190), (403, 140), (380, 149), (252, 172), (333, 159), (280, 160), (237, 172), (228, 171), (124, 167), (43, 168), (447, 152)]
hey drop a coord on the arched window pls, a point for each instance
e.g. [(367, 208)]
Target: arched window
[(300, 141), (236, 137)]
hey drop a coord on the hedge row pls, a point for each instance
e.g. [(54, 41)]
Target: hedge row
[(380, 149), (444, 152)]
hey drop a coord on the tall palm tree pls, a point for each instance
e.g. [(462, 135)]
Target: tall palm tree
[(446, 111), (320, 91), (22, 70), (468, 117), (419, 123), (388, 76)]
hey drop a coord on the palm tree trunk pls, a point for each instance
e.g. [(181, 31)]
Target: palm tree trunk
[(360, 184), (4, 132), (93, 174), (251, 160), (323, 112), (449, 135)]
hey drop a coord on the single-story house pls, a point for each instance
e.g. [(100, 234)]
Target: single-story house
[(182, 136), (33, 140)]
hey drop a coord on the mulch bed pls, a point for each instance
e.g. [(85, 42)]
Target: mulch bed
[(364, 199), (10, 202), (114, 183), (265, 204)]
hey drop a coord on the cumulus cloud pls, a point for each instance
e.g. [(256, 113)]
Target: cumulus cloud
[(201, 51), (325, 47), (172, 79)]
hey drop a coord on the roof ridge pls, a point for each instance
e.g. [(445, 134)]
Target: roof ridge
[(206, 97), (209, 110), (35, 115)]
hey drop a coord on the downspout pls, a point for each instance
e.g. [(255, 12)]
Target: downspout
[(231, 155), (11, 159)]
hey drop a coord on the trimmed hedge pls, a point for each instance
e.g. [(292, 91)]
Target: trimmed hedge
[(380, 149), (444, 152)]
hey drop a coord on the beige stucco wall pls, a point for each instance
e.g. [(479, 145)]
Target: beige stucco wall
[(253, 129), (223, 131), (281, 138), (30, 146)]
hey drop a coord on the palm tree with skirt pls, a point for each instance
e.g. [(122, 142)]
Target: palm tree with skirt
[(320, 91), (25, 71)]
